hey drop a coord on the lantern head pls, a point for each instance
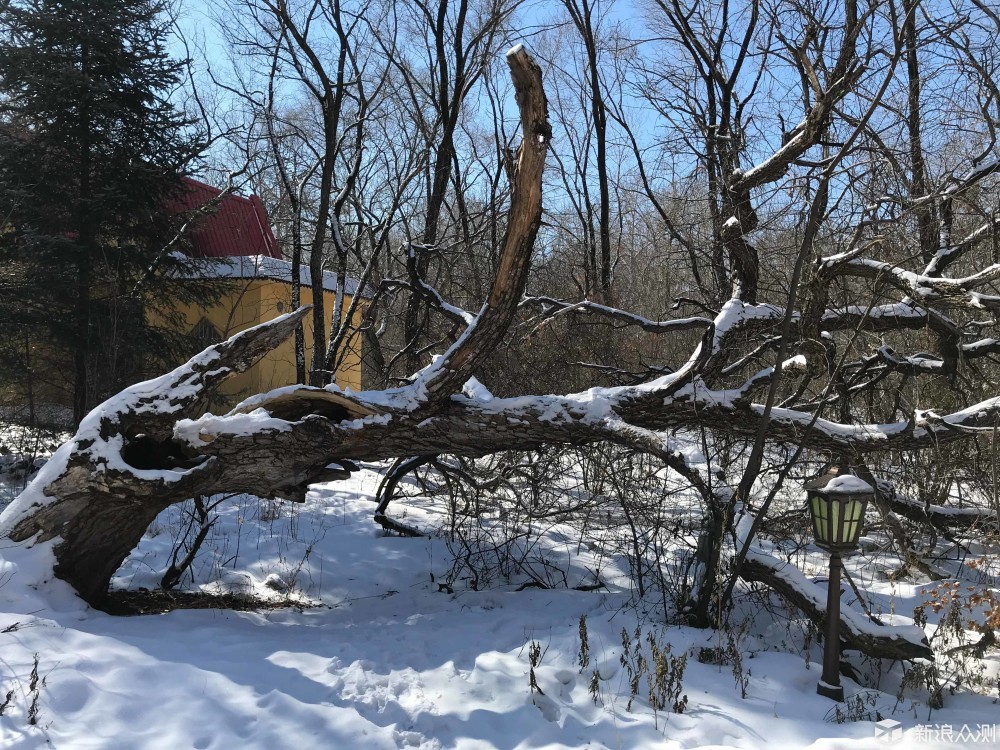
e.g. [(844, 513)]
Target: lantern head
[(837, 503)]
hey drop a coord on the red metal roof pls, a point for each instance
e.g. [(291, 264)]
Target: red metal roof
[(239, 227)]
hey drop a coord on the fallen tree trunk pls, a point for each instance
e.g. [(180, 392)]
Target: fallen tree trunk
[(100, 492), (856, 632)]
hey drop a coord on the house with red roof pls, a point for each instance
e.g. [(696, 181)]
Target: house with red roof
[(235, 244)]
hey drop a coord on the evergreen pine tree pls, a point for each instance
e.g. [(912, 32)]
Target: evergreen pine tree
[(91, 150)]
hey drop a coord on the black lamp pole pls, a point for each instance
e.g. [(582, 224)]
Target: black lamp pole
[(829, 684), (837, 501)]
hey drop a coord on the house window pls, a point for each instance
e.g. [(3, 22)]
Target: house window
[(204, 334)]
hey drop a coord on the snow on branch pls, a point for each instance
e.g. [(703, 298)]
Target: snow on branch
[(419, 285), (940, 516), (98, 494), (926, 288), (857, 630)]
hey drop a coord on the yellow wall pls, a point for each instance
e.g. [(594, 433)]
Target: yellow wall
[(254, 301)]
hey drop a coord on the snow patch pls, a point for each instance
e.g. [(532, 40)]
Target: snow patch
[(207, 426)]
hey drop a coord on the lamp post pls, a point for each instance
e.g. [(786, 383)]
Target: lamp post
[(837, 502)]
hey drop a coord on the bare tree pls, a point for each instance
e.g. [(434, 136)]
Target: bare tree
[(582, 107), (322, 49)]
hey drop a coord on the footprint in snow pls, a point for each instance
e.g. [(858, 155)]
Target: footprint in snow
[(408, 739), (547, 706)]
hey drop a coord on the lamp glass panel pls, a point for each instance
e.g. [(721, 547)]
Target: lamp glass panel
[(849, 526), (852, 511), (819, 518), (855, 509), (837, 518), (836, 528)]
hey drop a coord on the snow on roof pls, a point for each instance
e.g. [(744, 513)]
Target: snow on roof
[(848, 484), (842, 484), (265, 267)]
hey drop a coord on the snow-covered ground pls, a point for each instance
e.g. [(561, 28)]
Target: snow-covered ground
[(392, 657)]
